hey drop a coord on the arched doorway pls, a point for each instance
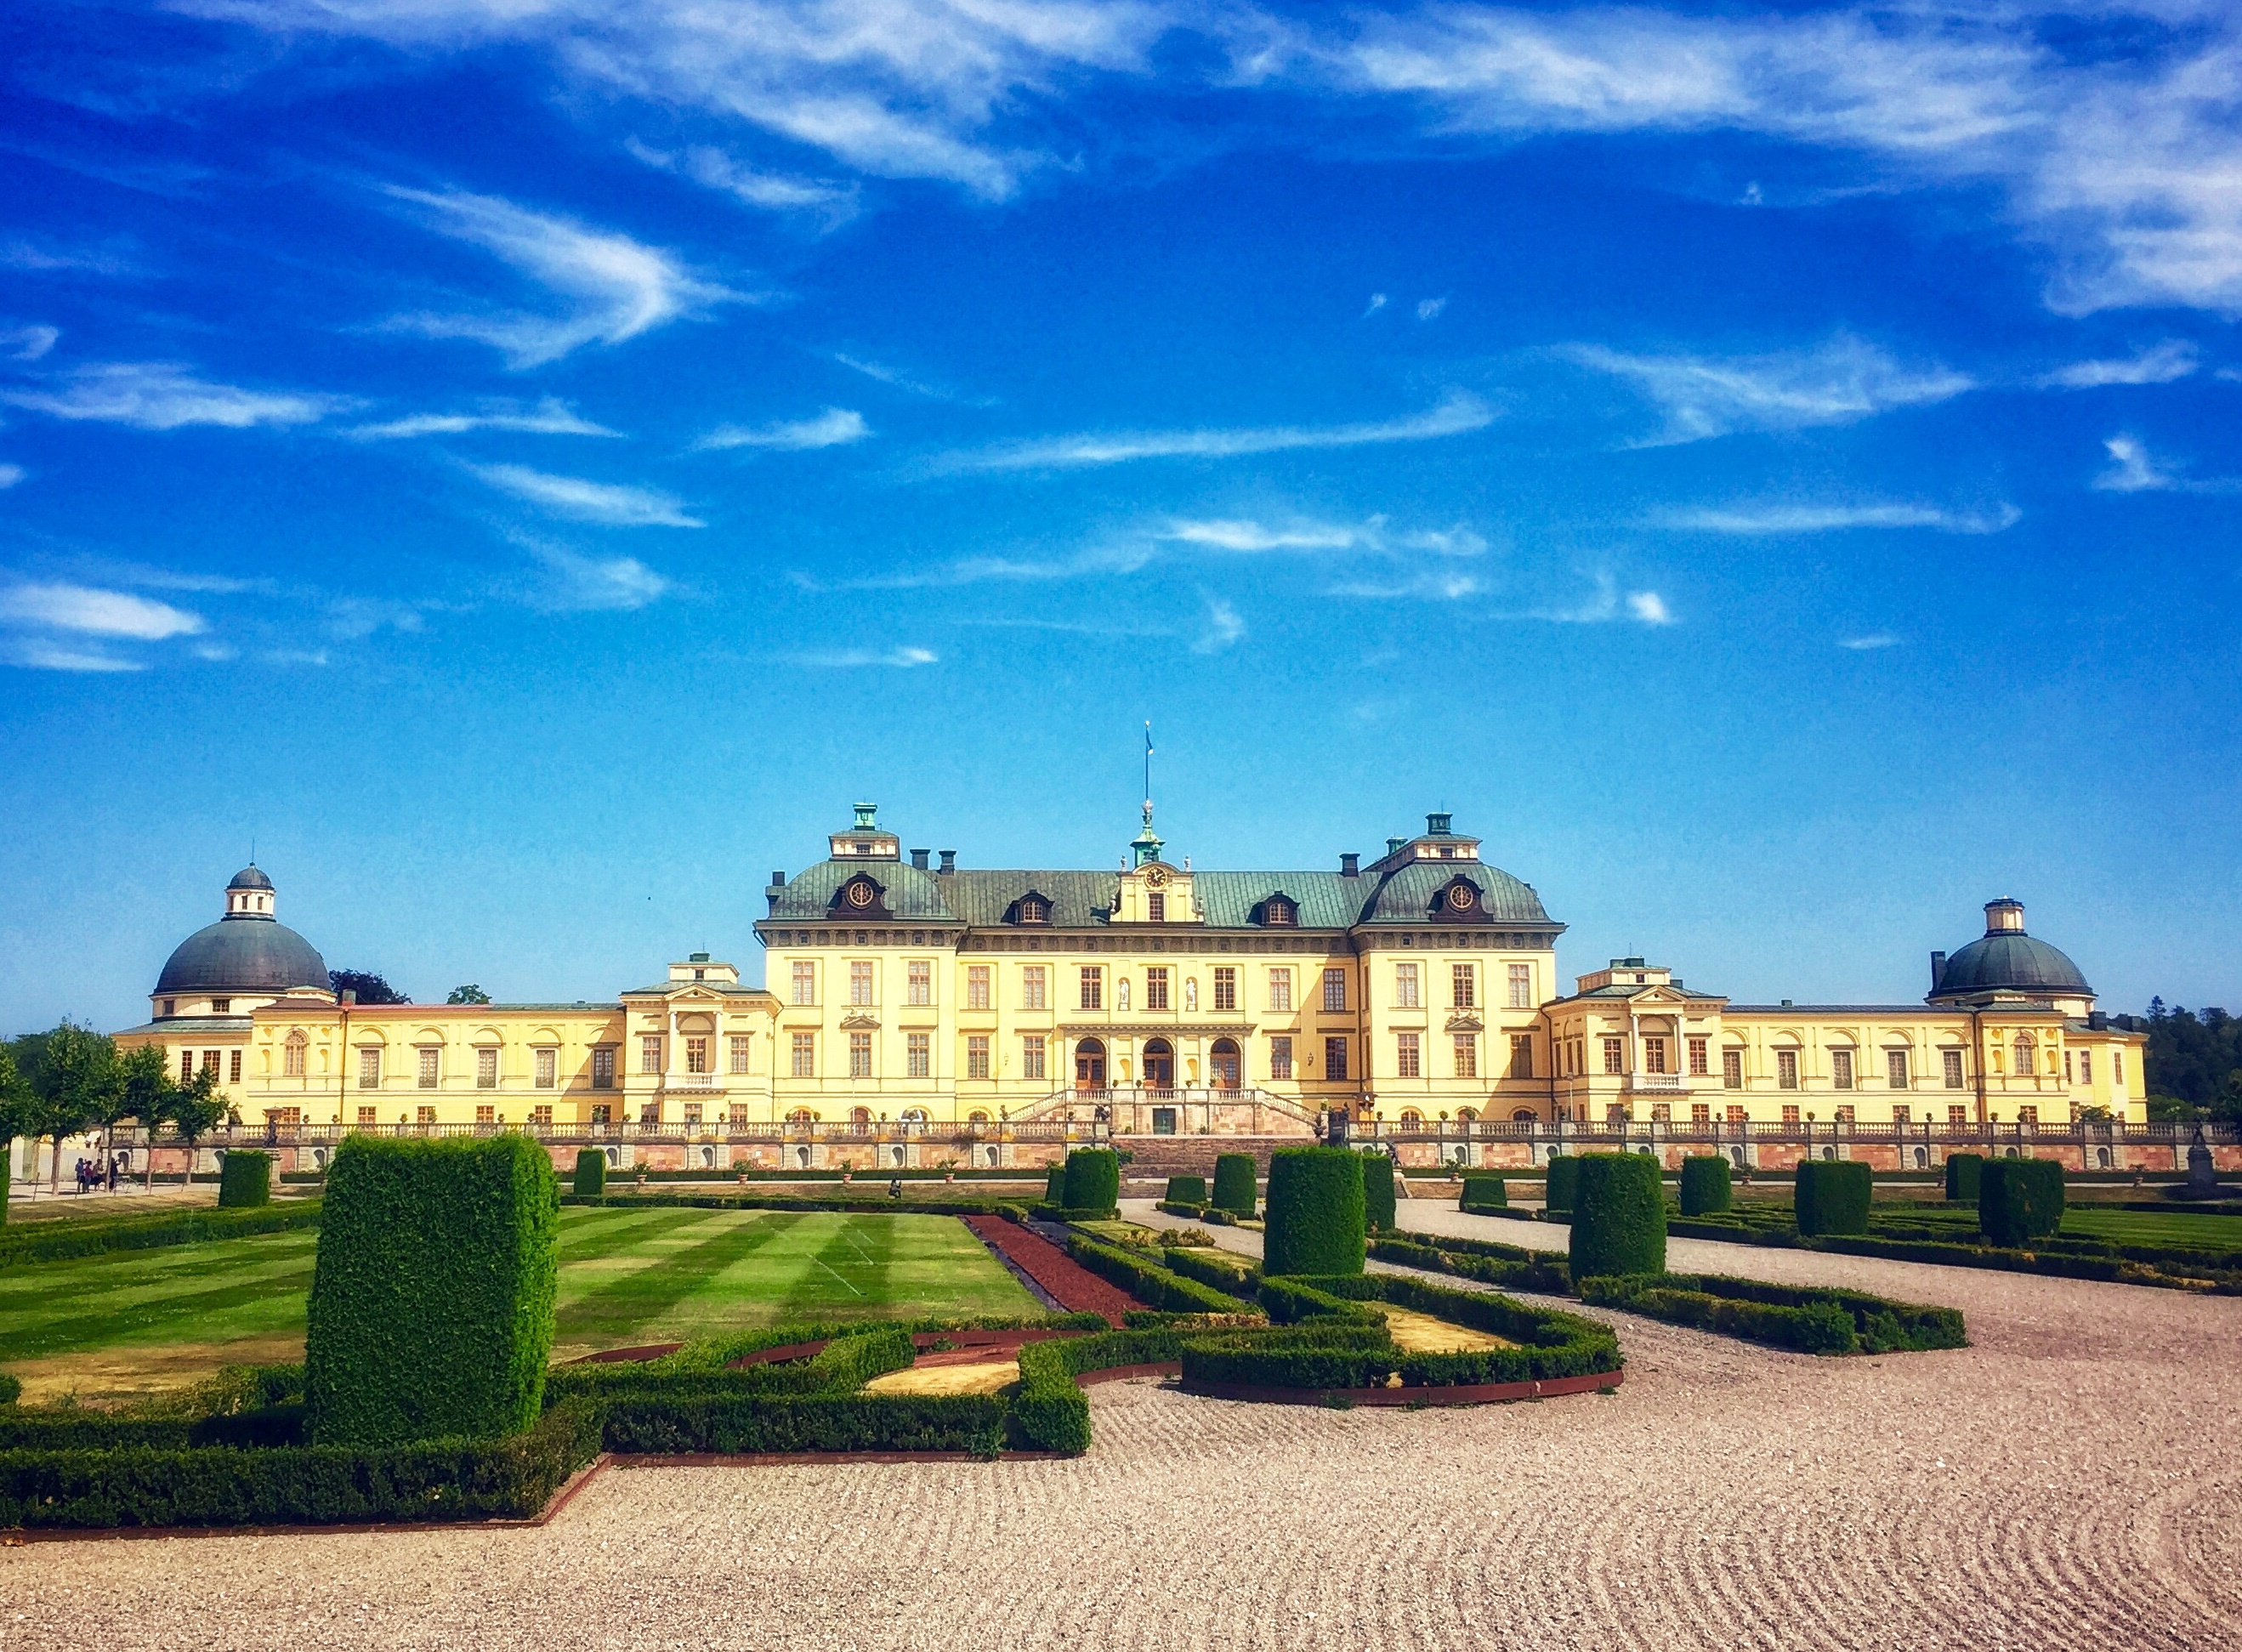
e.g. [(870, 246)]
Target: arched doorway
[(1159, 1064), (1090, 1064), (860, 1119), (1222, 1064)]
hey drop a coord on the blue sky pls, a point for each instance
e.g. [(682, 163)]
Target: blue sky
[(530, 467)]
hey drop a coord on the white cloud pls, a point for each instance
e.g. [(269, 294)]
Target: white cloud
[(1866, 644), (28, 344), (834, 427), (1606, 606), (10, 474), (1836, 383), (1377, 303), (1222, 628), (615, 288), (595, 584), (2132, 471), (851, 659), (1433, 585), (2161, 365), (1823, 519), (350, 619), (833, 204), (1427, 309), (550, 417), (1457, 414), (1249, 537), (156, 395), (1649, 607), (605, 503), (215, 653), (295, 656), (55, 656), (95, 612)]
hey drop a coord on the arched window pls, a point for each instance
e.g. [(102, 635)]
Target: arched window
[(801, 1116), (976, 1116), (2026, 1066), (1278, 912), (1466, 1115), (1411, 1116), (292, 1055), (1523, 1115), (1034, 909), (860, 1119)]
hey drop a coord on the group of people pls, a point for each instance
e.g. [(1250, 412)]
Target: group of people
[(95, 1174)]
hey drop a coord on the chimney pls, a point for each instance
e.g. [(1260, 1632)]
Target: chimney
[(2097, 1021), (778, 880), (1938, 969), (918, 858), (948, 862), (1349, 866), (350, 994)]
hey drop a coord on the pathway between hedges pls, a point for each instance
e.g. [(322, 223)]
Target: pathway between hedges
[(1073, 1287)]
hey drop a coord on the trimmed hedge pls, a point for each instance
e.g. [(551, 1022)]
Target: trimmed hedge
[(1811, 1320), (1377, 1192), (11, 1389), (1093, 1179), (1185, 1190), (1148, 1282), (430, 1311), (2019, 1199), (1529, 1270), (1199, 1265), (1832, 1196), (1962, 1172), (244, 1180), (64, 1241), (1049, 1410), (1562, 1184), (759, 1423), (1237, 1184), (1619, 1219), (1315, 1215), (591, 1178), (1705, 1184), (1485, 1193), (1055, 1184)]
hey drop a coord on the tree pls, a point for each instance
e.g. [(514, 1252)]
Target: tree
[(148, 1091), (2192, 1067), (77, 1085), (370, 987), (15, 1111), (468, 994), (198, 1109)]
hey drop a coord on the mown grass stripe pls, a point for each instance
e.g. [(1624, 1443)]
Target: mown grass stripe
[(652, 1291)]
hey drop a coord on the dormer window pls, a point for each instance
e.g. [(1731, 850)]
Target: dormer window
[(1156, 908), (1034, 909), (1278, 912), (221, 1006)]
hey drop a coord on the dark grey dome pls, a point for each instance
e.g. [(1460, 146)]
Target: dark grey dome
[(2010, 960), (243, 954), (250, 877)]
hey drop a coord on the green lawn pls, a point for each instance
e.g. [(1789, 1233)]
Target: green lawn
[(2155, 1227), (138, 1319)]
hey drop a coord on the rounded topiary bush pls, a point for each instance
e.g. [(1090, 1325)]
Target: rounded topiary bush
[(1187, 1189), (1704, 1183), (1055, 1184), (1833, 1196), (1315, 1214), (1236, 1183), (1485, 1193), (1093, 1179), (1564, 1177), (1377, 1193), (591, 1172), (1619, 1215), (2019, 1201), (245, 1180), (1962, 1172)]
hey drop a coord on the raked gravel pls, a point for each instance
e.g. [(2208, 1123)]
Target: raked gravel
[(2071, 1481)]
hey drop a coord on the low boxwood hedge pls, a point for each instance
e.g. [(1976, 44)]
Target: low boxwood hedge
[(1832, 1196), (1619, 1216), (65, 1241), (1210, 1268), (1529, 1270), (1049, 1411), (1705, 1184), (2019, 1201), (1315, 1215), (244, 1180), (1485, 1193), (1147, 1280), (1811, 1320), (755, 1423), (1185, 1190), (1237, 1184)]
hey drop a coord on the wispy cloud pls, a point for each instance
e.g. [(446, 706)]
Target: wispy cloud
[(45, 259), (1377, 303), (549, 416), (10, 474), (831, 204), (28, 344), (609, 504), (1837, 383), (1606, 605), (1823, 519), (2134, 469), (613, 288), (854, 659), (1866, 644), (1457, 414), (578, 584), (834, 427), (156, 395), (352, 618), (38, 654), (1429, 309), (94, 612), (1223, 629), (883, 373), (2160, 365)]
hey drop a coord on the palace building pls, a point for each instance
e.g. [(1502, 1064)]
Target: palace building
[(908, 993)]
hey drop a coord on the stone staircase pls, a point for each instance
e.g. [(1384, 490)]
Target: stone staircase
[(1154, 1158)]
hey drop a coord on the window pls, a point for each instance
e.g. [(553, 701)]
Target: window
[(737, 1116), (1155, 989), (1902, 1115), (1280, 1057), (860, 981), (541, 1117), (1700, 1113), (483, 1115), (548, 1067), (1404, 986), (1790, 1113), (1845, 1117), (233, 1067), (1615, 1055), (1736, 1114), (977, 986), (186, 1066), (369, 1070), (650, 1055), (1031, 1056), (292, 1057), (221, 1006), (1701, 1063), (919, 981), (1278, 913), (1786, 1070), (1896, 1069), (696, 1055), (1156, 908), (1464, 986), (365, 1115), (602, 1115), (805, 1055), (1841, 1069), (805, 982), (2027, 1065), (1334, 990), (430, 1056), (210, 1062), (1615, 1113), (1225, 987), (2028, 1115), (1406, 1058), (1958, 1115), (1466, 1055), (740, 1044), (2118, 1068), (1280, 990), (1033, 993), (1732, 1070), (1034, 909), (424, 1115), (1335, 1057), (487, 1068), (170, 1006), (2086, 1066), (977, 1056), (1522, 1055), (1522, 986), (918, 1058), (1093, 987), (603, 1067), (649, 1116), (1661, 1112), (860, 1055), (1653, 1052), (1951, 1060)]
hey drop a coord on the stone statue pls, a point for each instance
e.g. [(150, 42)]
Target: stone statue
[(1190, 993)]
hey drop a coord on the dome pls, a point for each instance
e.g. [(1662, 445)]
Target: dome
[(243, 955), (250, 877), (2005, 959)]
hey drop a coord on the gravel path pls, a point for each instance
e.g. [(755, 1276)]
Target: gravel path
[(2066, 1482)]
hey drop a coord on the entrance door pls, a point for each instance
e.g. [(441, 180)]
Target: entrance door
[(1090, 1065), (1164, 1121), (1159, 1065), (1224, 1061)]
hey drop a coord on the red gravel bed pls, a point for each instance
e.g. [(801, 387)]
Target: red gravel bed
[(1073, 1287)]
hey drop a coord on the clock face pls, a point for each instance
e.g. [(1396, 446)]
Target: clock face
[(1156, 877), (1460, 896), (861, 895)]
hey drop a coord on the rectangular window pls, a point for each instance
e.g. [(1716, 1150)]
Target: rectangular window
[(977, 986), (1736, 1114), (1896, 1069), (918, 1058), (1701, 1058), (549, 1068), (234, 1068), (919, 981), (186, 1066), (221, 1006), (1615, 1055), (1786, 1070), (1225, 987), (737, 1116), (860, 1055), (649, 1116), (860, 981), (424, 1115), (1841, 1069), (977, 1056), (1522, 986), (365, 1115), (1790, 1113), (1701, 1113), (741, 1043), (210, 1062), (1335, 1058), (1902, 1115), (484, 1114), (1093, 987), (2118, 1068), (1845, 1117), (1950, 1062), (696, 1055), (603, 1067), (1653, 1052), (1334, 991), (541, 1117), (1156, 908), (1616, 1113), (1467, 1045), (1280, 990), (487, 1068), (1661, 1112), (603, 1114), (805, 982), (1406, 1058), (2085, 1067), (650, 1055), (1732, 1070), (1031, 1056), (292, 1058), (430, 1056), (1463, 986), (1404, 986), (1280, 1057), (2028, 1115), (369, 1070), (805, 1055), (1958, 1115), (1522, 1055), (1033, 993), (1155, 989)]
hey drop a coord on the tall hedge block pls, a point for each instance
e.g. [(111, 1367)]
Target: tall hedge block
[(1187, 1189), (1485, 1193), (591, 1172), (1833, 1195), (1093, 1179), (1055, 1184), (2019, 1201), (1705, 1186), (1377, 1193), (1619, 1215), (1315, 1215), (1962, 1172), (245, 1180), (1237, 1184), (431, 1314), (1564, 1178)]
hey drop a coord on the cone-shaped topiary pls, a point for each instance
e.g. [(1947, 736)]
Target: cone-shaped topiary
[(591, 1172), (2019, 1201), (1485, 1193), (1377, 1193), (1237, 1184), (1564, 1177), (245, 1179), (1832, 1196), (1704, 1183), (1315, 1215), (1093, 1179), (1619, 1216), (1962, 1172)]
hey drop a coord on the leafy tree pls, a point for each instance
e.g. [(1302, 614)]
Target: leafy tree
[(149, 1091), (196, 1109), (468, 994), (77, 1085), (15, 1111), (370, 987), (2193, 1064)]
